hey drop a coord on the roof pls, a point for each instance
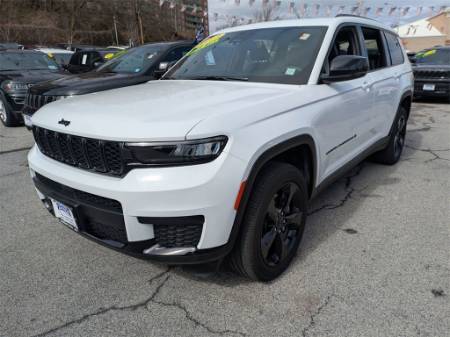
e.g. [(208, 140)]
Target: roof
[(54, 51), (19, 51), (324, 22), (419, 28)]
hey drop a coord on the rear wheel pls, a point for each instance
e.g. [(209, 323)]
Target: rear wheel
[(6, 116), (393, 151), (274, 223)]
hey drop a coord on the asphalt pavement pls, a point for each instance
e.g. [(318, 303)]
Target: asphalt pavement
[(374, 261)]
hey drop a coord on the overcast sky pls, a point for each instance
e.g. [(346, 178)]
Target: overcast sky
[(246, 12)]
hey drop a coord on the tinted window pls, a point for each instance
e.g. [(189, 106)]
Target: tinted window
[(374, 46), (395, 49), (345, 43), (26, 61), (276, 55), (176, 54)]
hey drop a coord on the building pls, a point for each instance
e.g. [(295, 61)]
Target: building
[(426, 33), (188, 16)]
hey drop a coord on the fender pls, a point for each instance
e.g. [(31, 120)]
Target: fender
[(264, 158)]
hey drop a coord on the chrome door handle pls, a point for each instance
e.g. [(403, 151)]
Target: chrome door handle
[(366, 86)]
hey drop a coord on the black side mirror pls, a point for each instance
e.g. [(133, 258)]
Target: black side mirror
[(163, 67), (345, 68)]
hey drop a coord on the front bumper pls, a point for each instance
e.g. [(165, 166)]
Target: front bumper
[(441, 88), (150, 201)]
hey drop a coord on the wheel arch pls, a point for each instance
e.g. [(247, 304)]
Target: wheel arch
[(406, 101), (302, 145)]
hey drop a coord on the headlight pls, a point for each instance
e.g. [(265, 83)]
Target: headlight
[(178, 153), (11, 86)]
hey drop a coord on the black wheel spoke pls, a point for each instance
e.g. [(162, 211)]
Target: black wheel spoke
[(272, 212), (267, 242), (294, 219)]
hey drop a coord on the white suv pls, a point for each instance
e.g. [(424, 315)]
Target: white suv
[(221, 157)]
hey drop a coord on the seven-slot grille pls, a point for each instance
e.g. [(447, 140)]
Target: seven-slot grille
[(37, 101), (86, 153)]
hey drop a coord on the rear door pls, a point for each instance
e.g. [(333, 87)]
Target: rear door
[(383, 85)]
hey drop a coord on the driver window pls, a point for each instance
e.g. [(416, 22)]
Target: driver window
[(345, 43)]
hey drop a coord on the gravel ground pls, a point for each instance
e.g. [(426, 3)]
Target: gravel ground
[(374, 261)]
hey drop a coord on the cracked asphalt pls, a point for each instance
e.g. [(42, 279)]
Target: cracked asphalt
[(374, 261)]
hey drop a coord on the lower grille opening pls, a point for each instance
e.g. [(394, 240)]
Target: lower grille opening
[(176, 232)]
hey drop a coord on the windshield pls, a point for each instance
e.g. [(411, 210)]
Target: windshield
[(434, 56), (276, 55), (26, 61), (135, 60)]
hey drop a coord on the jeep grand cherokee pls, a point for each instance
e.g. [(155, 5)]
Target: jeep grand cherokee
[(222, 156)]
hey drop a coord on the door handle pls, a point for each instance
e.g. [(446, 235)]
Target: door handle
[(366, 86)]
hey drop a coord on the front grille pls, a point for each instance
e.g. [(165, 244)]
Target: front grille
[(106, 231), (426, 74), (86, 153), (178, 235), (80, 196), (37, 101)]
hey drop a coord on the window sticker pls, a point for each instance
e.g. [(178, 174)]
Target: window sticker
[(109, 56), (206, 43), (84, 59), (209, 59), (290, 71), (304, 36)]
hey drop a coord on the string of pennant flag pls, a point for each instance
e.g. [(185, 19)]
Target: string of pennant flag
[(302, 9)]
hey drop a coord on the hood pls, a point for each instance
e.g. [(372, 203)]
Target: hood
[(170, 109), (87, 83), (30, 76)]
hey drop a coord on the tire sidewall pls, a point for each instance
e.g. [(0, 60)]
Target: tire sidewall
[(255, 220)]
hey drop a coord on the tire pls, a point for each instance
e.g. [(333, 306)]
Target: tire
[(392, 152), (273, 224), (6, 116)]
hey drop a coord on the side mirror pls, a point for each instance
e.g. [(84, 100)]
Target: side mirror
[(97, 64), (163, 67), (345, 68)]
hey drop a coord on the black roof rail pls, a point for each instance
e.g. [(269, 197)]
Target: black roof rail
[(354, 16)]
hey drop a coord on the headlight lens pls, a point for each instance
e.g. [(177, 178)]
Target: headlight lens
[(178, 153), (11, 86)]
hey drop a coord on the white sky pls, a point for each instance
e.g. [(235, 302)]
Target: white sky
[(244, 10)]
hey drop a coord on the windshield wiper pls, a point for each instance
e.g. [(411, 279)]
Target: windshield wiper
[(219, 78)]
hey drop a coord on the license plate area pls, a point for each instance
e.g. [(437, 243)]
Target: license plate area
[(65, 214), (429, 87)]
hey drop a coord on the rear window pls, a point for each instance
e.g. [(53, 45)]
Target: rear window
[(395, 49)]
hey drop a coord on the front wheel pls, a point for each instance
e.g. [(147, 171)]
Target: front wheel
[(393, 151), (273, 224), (6, 116)]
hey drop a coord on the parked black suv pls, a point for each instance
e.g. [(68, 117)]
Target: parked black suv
[(84, 61), (432, 73), (137, 65), (20, 69)]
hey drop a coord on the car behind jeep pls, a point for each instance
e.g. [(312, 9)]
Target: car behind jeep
[(222, 156)]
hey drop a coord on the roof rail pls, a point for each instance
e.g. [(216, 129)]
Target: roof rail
[(354, 16)]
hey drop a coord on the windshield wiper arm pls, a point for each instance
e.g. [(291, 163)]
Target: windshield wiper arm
[(219, 78)]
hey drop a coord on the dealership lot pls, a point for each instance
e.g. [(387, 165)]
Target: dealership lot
[(375, 261)]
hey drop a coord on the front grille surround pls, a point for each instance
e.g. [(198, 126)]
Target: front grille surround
[(99, 156)]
